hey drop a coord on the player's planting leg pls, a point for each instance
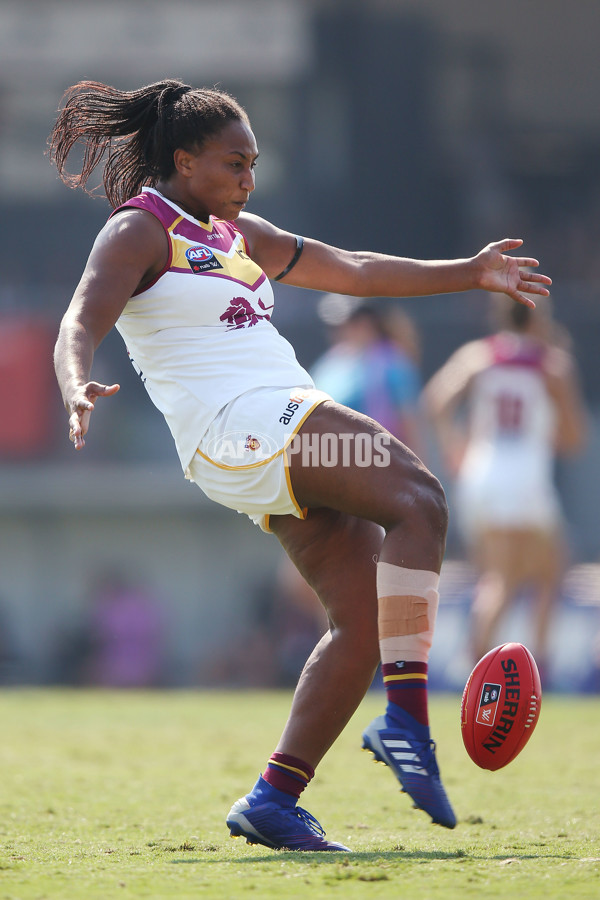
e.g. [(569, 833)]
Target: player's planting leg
[(333, 682)]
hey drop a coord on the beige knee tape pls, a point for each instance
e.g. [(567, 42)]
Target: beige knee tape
[(403, 616), (408, 602)]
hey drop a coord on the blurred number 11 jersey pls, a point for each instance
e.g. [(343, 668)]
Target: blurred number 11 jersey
[(506, 478)]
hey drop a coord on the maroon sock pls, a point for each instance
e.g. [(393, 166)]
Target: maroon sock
[(406, 686), (288, 773)]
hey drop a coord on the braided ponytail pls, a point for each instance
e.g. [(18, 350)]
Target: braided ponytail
[(136, 132)]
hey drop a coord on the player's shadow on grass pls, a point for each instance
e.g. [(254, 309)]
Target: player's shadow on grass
[(373, 856)]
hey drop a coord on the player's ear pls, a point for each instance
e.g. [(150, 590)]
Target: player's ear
[(183, 160)]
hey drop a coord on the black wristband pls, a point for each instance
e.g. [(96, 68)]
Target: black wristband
[(293, 260)]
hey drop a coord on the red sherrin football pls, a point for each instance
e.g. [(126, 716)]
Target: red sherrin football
[(500, 705)]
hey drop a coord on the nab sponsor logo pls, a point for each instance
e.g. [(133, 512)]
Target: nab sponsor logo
[(201, 259), (488, 704)]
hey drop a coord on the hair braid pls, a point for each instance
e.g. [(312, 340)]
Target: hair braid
[(136, 132)]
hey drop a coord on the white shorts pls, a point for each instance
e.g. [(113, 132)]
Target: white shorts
[(241, 461), (508, 494)]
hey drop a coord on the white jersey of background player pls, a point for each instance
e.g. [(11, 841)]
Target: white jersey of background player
[(504, 406)]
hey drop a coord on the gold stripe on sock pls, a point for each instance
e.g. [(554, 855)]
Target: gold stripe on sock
[(273, 762), (406, 677)]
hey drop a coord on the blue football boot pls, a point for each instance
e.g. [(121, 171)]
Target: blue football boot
[(278, 827), (410, 753)]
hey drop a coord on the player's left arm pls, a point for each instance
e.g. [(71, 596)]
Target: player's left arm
[(363, 273), (444, 394)]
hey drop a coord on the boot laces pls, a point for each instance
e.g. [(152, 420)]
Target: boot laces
[(309, 820)]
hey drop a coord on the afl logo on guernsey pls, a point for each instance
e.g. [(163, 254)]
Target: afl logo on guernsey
[(202, 259)]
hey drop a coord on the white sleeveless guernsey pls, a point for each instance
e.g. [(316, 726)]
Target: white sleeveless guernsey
[(200, 334)]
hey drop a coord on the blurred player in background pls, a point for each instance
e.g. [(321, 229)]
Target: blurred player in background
[(183, 273), (372, 364), (503, 408)]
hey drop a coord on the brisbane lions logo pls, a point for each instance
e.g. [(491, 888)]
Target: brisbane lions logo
[(240, 314)]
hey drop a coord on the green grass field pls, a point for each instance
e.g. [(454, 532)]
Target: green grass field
[(123, 795)]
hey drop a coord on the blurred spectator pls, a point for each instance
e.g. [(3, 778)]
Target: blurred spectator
[(503, 407), (121, 641), (591, 683), (372, 365), (285, 621), (9, 656), (27, 397), (126, 628)]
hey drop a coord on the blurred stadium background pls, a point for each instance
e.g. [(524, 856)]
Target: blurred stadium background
[(419, 127)]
